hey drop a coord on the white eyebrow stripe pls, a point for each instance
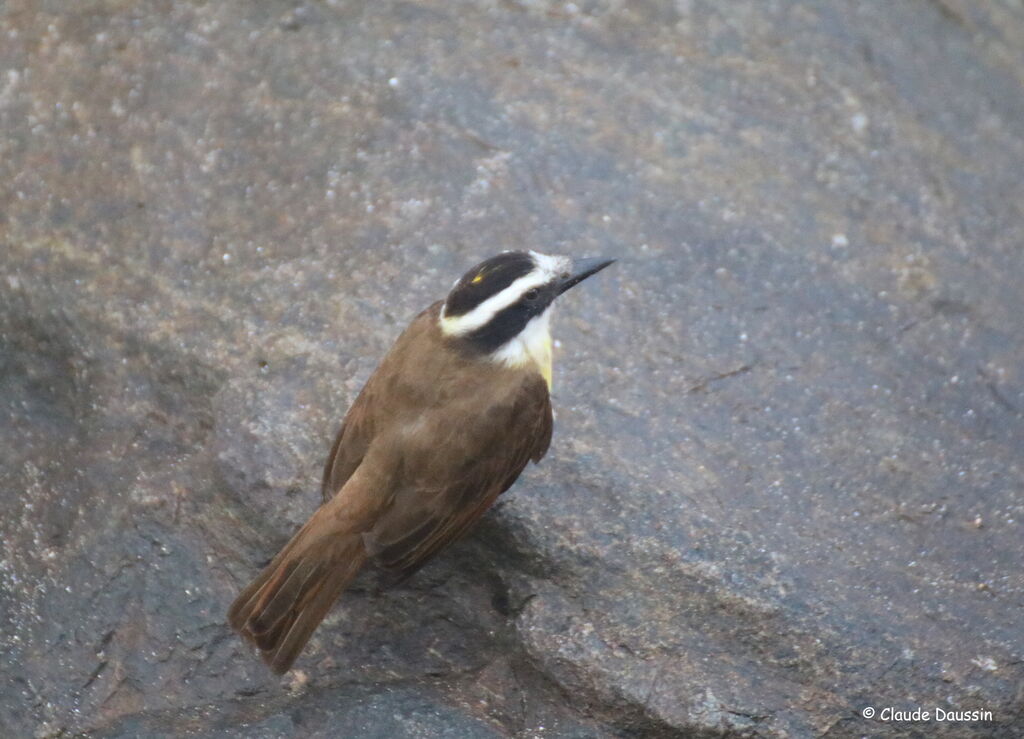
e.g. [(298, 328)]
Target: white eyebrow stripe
[(484, 312)]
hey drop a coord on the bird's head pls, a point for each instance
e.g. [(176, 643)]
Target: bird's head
[(509, 297)]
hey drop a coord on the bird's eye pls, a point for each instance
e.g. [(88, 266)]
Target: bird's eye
[(532, 294)]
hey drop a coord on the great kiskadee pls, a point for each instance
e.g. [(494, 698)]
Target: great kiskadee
[(444, 425)]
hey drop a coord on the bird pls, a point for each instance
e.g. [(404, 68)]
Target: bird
[(446, 423)]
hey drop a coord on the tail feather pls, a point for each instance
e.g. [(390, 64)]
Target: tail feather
[(280, 600), (303, 622), (281, 608)]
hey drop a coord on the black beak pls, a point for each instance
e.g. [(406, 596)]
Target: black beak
[(581, 270)]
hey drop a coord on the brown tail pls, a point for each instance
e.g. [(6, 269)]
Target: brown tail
[(280, 609)]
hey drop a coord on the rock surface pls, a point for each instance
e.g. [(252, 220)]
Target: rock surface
[(786, 477)]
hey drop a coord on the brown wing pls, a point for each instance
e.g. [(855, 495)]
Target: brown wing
[(359, 426), (428, 517), (349, 446)]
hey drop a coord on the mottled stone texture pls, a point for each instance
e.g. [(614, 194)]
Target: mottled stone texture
[(786, 480)]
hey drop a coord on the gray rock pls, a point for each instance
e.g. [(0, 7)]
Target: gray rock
[(786, 477)]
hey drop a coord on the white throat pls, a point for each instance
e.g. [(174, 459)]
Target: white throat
[(531, 345)]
